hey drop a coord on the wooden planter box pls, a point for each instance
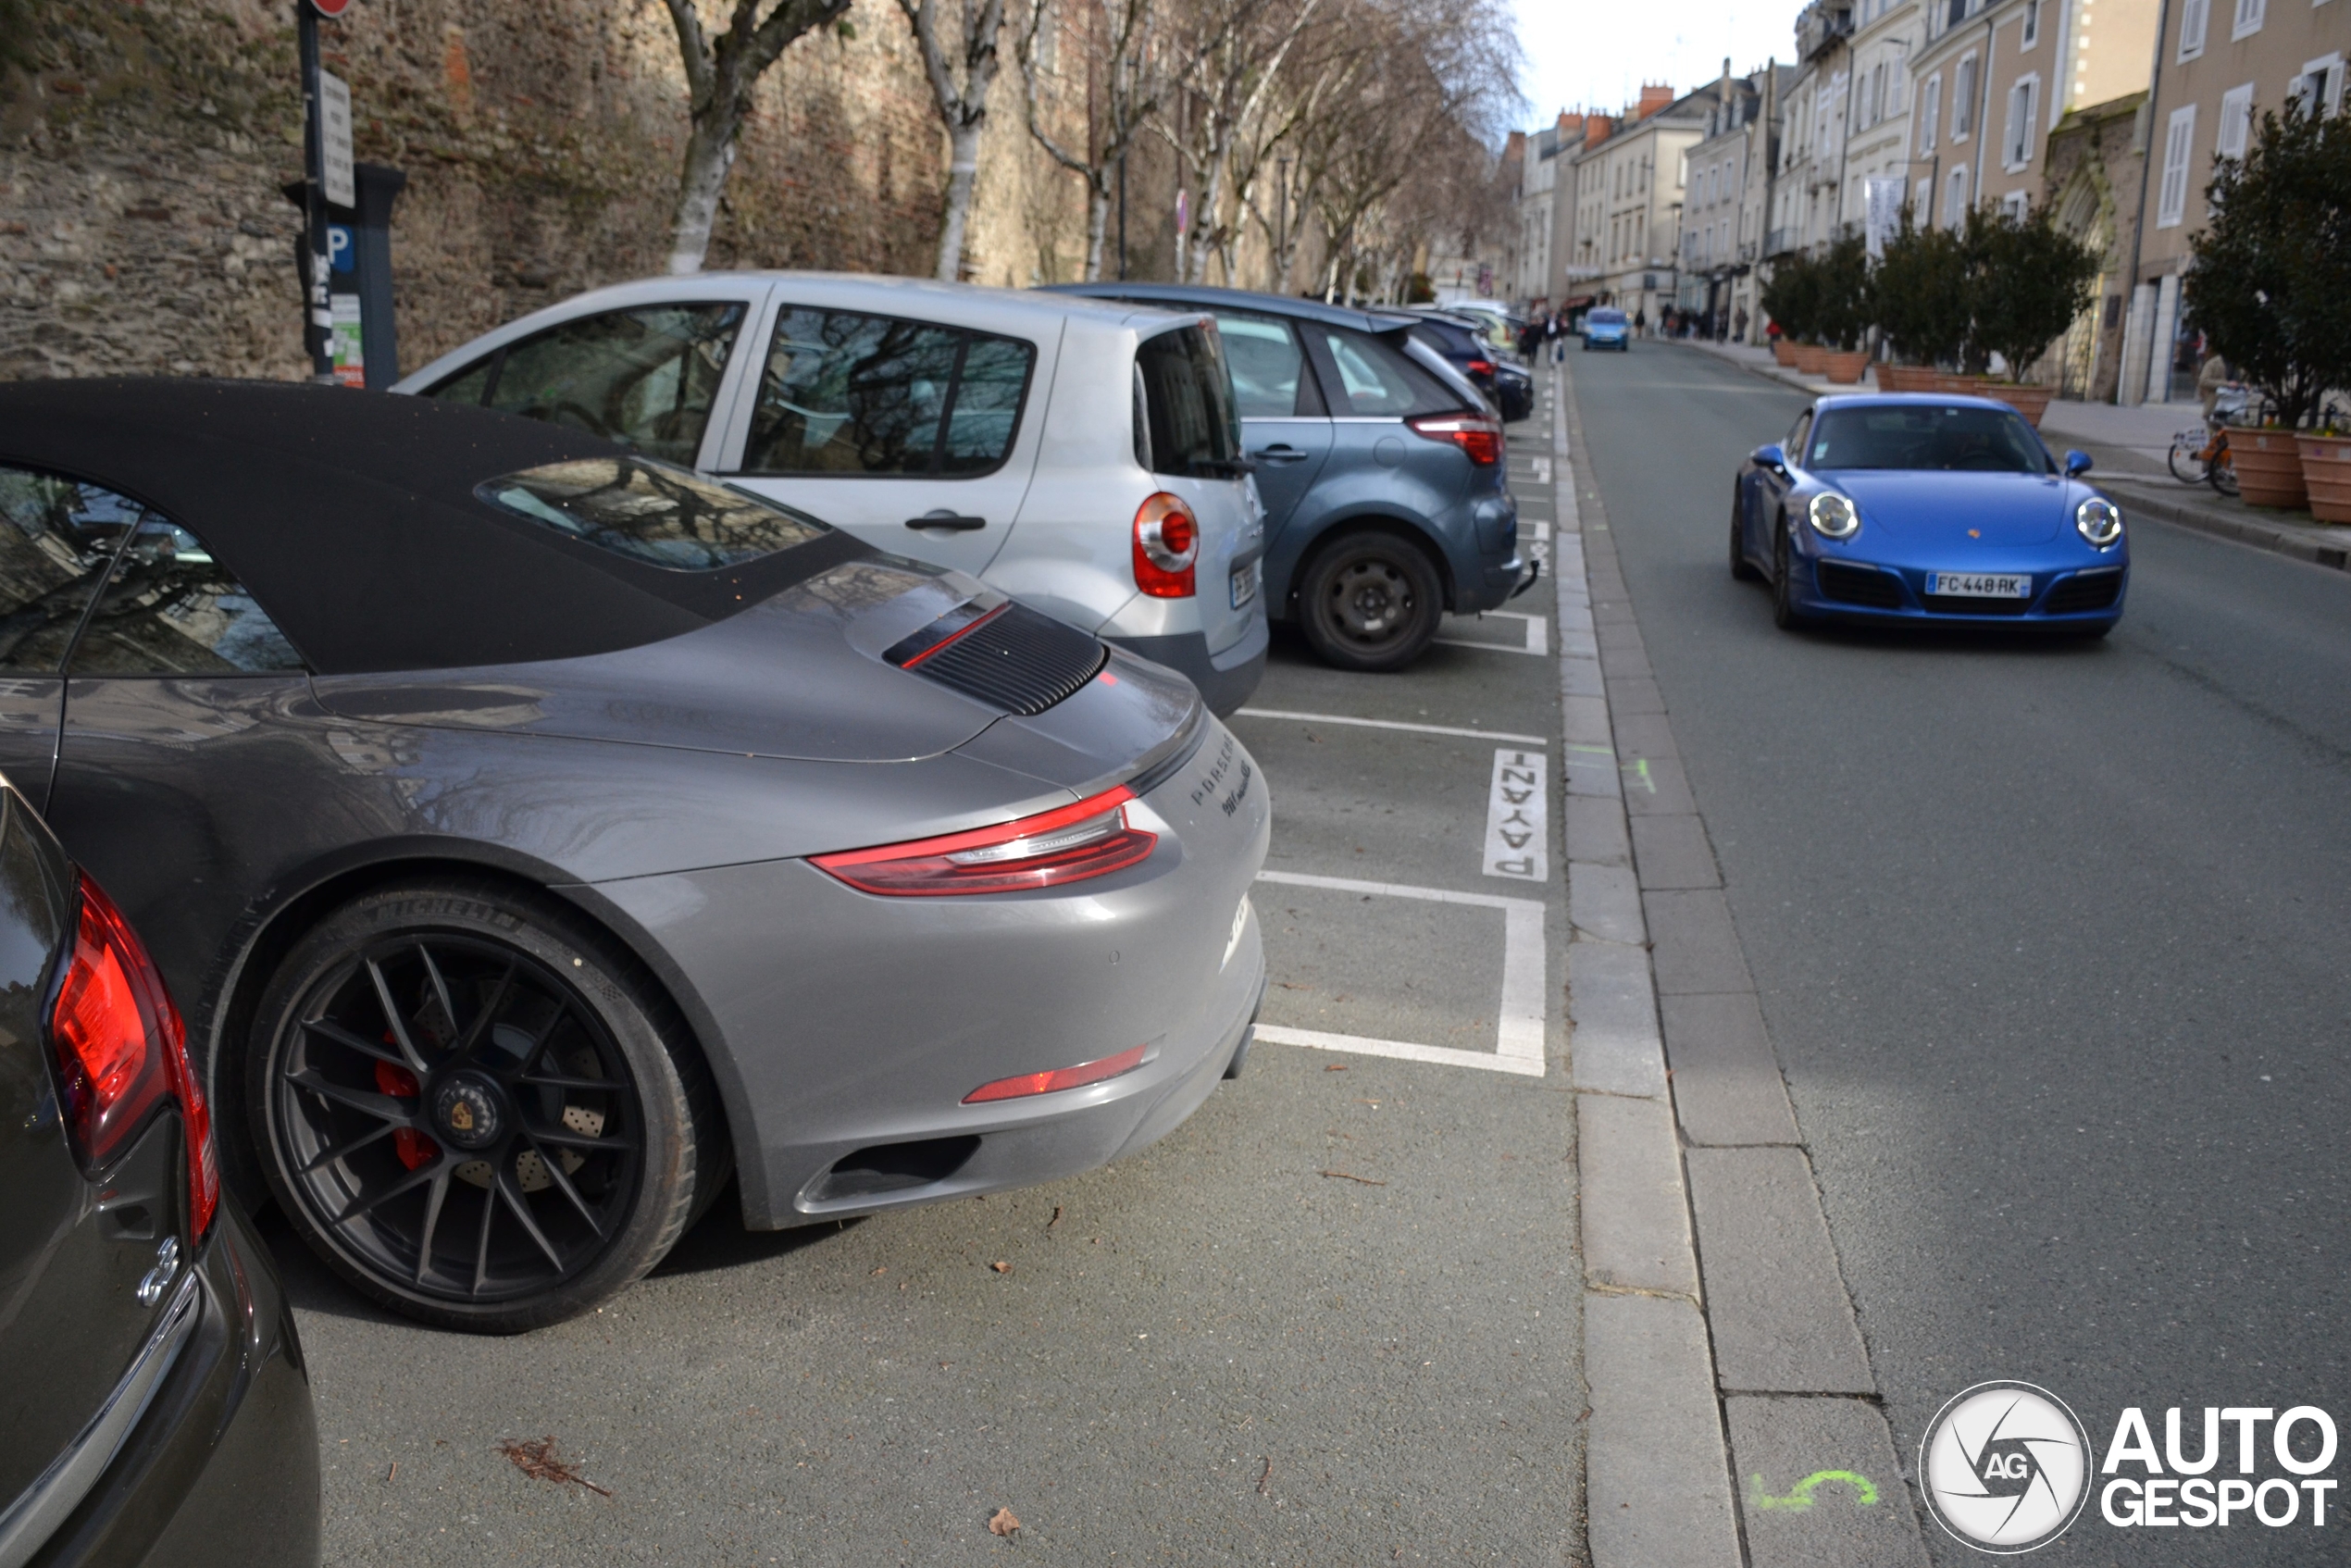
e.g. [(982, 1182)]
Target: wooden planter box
[(2031, 401), (1844, 367), (2326, 476), (1909, 379), (1784, 352), (1811, 360), (2269, 466)]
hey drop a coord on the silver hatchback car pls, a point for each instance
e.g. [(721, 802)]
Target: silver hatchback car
[(1084, 457)]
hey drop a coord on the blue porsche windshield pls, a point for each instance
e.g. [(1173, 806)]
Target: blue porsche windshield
[(1991, 441)]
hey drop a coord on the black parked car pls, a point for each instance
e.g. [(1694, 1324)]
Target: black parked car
[(154, 1407), (1463, 343)]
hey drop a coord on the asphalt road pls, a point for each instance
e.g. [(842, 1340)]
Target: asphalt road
[(2054, 942), (1332, 1320)]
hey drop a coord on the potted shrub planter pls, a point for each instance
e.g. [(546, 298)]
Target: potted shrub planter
[(1909, 379), (1784, 352), (2326, 475), (2269, 466), (1845, 367), (2031, 401), (1811, 360)]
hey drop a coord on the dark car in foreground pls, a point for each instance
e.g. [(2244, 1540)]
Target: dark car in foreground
[(1923, 510), (1387, 499), (1463, 342), (155, 1408), (539, 830)]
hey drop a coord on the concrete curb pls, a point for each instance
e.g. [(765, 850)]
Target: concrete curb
[(2314, 542), (1719, 1340)]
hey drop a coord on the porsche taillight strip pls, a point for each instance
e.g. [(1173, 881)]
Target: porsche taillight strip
[(1089, 837), (1060, 1078)]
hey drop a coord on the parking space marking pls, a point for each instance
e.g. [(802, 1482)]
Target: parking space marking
[(1538, 635), (1394, 724), (1518, 1032), (1542, 466), (1542, 534), (1516, 818)]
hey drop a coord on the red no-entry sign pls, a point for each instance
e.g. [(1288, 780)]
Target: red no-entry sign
[(331, 7)]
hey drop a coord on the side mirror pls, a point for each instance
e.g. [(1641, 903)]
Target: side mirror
[(1770, 457), (2076, 464)]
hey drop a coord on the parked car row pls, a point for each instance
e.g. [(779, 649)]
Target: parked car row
[(537, 818)]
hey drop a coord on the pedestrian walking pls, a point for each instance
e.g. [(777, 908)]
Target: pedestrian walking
[(1640, 321)]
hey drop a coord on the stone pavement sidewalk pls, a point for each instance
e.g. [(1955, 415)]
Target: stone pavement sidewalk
[(2131, 447)]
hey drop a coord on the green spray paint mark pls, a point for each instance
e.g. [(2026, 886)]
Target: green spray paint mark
[(1637, 772), (1797, 1501)]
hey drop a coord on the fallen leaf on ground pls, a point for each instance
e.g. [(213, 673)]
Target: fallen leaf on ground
[(1350, 1176), (884, 1269), (1057, 1219), (1002, 1267), (1001, 1522), (1264, 1475), (1335, 1067), (537, 1460)]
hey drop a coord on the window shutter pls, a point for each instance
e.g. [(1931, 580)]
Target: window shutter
[(2172, 203), (2194, 17)]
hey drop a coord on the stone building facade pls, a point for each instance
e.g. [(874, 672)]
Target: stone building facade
[(143, 228)]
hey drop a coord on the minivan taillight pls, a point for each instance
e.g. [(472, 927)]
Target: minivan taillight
[(122, 1052), (1473, 433), (1481, 366), (1166, 545), (1052, 848)]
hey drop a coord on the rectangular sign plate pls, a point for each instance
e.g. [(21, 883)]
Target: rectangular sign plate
[(1980, 585)]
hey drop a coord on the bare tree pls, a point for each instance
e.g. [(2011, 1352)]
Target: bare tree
[(963, 106), (1225, 60), (721, 74), (1121, 94)]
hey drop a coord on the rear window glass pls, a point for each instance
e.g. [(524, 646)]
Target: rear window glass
[(653, 513), (1606, 317), (1266, 364), (1377, 379), (1983, 440), (1184, 419)]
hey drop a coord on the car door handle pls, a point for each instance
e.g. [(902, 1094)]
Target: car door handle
[(1282, 454), (947, 520)]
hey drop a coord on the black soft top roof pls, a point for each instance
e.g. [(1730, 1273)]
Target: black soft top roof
[(351, 518)]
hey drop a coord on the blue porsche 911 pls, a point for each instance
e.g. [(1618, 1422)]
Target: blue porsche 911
[(1927, 509)]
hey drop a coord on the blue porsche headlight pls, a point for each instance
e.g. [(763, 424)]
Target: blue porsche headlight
[(2099, 521), (1833, 515)]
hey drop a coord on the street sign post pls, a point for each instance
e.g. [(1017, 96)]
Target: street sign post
[(334, 140)]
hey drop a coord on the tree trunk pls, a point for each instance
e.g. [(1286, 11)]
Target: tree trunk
[(962, 177), (1097, 227), (710, 153)]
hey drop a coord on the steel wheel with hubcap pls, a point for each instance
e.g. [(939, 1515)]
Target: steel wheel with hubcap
[(473, 1111), (1370, 601)]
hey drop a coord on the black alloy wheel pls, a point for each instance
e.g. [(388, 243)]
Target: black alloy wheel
[(1784, 615), (1370, 601), (1741, 567), (471, 1109)]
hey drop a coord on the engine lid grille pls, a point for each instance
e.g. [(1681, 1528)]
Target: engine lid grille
[(1005, 654)]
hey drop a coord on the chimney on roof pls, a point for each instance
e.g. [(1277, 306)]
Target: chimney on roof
[(1570, 125), (1598, 129), (1654, 96)]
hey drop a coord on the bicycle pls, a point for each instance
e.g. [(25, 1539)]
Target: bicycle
[(2201, 457)]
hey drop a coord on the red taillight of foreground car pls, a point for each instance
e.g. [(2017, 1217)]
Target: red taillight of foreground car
[(1481, 366), (1166, 545), (1473, 433), (1065, 1077), (122, 1051), (1049, 850)]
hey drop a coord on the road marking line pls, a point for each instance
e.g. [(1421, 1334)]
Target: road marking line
[(1538, 635), (1542, 531), (1518, 1025), (1517, 841), (1394, 724), (1542, 470)]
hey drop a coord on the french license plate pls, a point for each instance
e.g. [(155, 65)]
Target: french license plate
[(1245, 584), (1980, 585)]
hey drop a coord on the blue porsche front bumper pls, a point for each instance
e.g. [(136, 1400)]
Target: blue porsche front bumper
[(2084, 594)]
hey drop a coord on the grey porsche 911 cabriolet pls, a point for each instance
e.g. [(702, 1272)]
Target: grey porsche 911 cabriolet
[(533, 831)]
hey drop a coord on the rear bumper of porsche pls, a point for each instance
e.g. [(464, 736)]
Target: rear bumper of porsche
[(846, 1028)]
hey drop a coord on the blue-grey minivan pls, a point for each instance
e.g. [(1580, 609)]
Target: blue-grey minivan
[(1387, 499)]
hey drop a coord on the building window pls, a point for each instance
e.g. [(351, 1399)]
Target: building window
[(2319, 87), (2236, 117), (1955, 198), (2032, 24), (2194, 16), (2014, 203), (2172, 200), (1963, 100), (2023, 101), (2248, 18), (1930, 109)]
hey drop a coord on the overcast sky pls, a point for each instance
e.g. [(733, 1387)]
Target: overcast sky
[(1595, 54)]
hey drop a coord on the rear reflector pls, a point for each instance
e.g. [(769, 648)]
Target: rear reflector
[(1066, 1077), (1067, 844), (1473, 433)]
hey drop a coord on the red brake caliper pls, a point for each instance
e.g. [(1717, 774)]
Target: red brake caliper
[(412, 1146)]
